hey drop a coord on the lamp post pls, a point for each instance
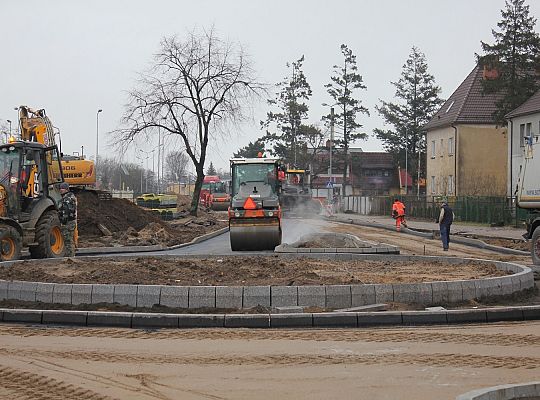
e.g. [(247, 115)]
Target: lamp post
[(9, 121), (16, 127), (147, 153), (97, 135)]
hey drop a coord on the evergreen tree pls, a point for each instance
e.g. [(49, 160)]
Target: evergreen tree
[(211, 169), (344, 82), (419, 101), (251, 150), (515, 55), (286, 137)]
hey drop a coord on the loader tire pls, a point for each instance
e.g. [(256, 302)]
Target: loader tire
[(10, 243), (49, 237), (535, 246)]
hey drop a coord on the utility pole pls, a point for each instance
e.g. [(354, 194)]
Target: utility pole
[(406, 168), (331, 180)]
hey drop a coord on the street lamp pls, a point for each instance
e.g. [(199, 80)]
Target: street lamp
[(97, 135), (331, 180), (9, 121), (147, 153), (16, 128)]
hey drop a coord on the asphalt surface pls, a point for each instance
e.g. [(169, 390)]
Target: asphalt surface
[(293, 229)]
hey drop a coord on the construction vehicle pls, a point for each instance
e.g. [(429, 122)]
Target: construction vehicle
[(30, 173), (296, 193), (78, 171), (209, 183), (255, 212), (528, 194), (219, 199)]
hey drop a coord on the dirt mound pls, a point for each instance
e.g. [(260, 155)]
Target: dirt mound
[(131, 225), (117, 215)]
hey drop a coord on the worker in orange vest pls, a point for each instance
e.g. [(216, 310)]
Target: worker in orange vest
[(398, 213)]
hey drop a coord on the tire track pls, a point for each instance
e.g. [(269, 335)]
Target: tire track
[(15, 383), (373, 335), (432, 359)]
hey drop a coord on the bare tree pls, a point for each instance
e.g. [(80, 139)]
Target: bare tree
[(176, 163), (195, 88)]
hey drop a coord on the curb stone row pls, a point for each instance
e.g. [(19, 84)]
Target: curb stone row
[(295, 320), (527, 390), (243, 297)]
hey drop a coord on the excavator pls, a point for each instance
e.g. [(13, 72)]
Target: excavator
[(296, 193), (255, 211), (30, 173)]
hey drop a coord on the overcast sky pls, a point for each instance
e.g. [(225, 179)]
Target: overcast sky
[(73, 58)]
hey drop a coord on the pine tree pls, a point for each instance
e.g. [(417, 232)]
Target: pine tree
[(211, 169), (251, 150), (419, 100), (344, 82), (286, 137), (515, 55)]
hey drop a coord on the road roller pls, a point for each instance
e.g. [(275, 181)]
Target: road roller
[(255, 212)]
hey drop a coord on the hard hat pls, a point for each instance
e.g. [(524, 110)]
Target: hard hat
[(64, 186)]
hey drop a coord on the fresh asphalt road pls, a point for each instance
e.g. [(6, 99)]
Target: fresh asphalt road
[(293, 229)]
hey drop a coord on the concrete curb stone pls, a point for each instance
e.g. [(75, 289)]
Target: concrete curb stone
[(247, 320), (312, 296), (281, 296), (148, 295), (362, 295), (415, 293), (151, 320), (379, 318), (125, 294), (174, 296), (324, 320), (81, 294), (44, 292), (4, 290), (475, 315), (295, 320), (530, 312), (338, 296), (14, 290), (102, 294), (29, 316), (384, 293), (468, 289), (424, 317), (201, 320), (256, 296), (106, 318), (202, 297), (60, 317), (504, 314), (61, 293), (229, 296)]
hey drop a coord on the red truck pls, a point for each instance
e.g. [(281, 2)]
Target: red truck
[(214, 194)]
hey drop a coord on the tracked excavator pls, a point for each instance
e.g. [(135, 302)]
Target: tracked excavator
[(30, 173), (296, 196), (255, 212)]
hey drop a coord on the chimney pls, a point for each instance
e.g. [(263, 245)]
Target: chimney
[(490, 72)]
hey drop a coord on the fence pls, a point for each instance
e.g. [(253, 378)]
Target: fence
[(488, 210)]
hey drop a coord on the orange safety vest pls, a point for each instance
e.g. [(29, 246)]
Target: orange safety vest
[(399, 207)]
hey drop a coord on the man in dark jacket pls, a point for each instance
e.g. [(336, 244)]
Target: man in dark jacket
[(446, 217), (67, 212)]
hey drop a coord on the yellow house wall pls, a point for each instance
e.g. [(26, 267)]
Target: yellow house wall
[(441, 164), (482, 160)]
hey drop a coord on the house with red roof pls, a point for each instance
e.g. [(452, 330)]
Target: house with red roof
[(466, 150)]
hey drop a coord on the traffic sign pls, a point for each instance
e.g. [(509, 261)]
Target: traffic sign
[(329, 185)]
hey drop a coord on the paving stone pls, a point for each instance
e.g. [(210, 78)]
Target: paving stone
[(424, 317), (379, 318), (338, 296), (334, 320), (154, 320), (201, 320), (284, 296), (14, 290), (362, 295), (62, 293), (81, 294), (504, 314), (293, 320), (312, 296), (4, 290), (256, 296), (466, 316), (413, 293), (148, 295), (247, 321), (30, 316), (125, 294), (531, 312), (384, 293), (28, 291), (44, 292), (229, 297), (468, 289), (174, 296), (103, 318), (62, 317), (202, 297)]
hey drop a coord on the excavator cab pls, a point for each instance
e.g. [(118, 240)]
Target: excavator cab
[(255, 212), (29, 196)]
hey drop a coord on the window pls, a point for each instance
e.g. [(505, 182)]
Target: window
[(450, 184), (522, 135), (433, 149), (432, 185), (451, 146), (442, 147), (528, 130)]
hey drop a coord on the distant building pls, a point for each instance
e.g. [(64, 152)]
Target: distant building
[(523, 123), (466, 149)]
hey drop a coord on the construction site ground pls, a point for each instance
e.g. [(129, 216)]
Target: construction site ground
[(120, 222)]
